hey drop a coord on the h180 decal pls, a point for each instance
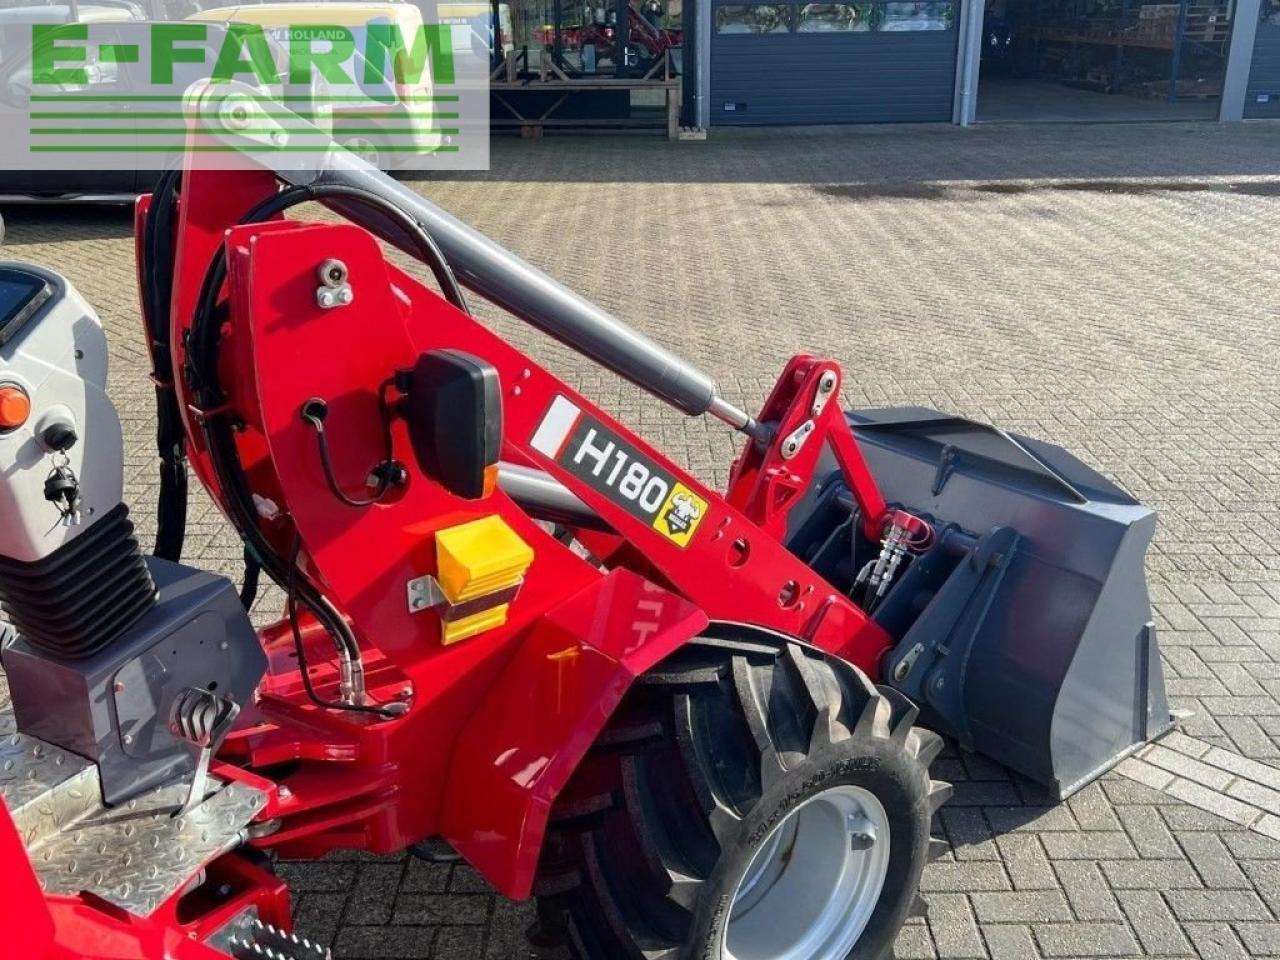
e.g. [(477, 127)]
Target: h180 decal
[(596, 455)]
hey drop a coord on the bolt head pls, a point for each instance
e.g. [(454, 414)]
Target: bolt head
[(862, 840)]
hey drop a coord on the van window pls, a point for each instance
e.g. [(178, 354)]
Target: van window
[(758, 18)]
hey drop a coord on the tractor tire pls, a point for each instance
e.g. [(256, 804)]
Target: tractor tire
[(751, 799)]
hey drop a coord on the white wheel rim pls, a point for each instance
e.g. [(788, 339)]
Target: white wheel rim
[(811, 888), (365, 147)]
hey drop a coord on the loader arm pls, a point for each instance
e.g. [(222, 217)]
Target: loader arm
[(503, 604), (366, 558)]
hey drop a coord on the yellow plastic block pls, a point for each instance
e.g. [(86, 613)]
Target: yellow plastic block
[(478, 558), (476, 623)]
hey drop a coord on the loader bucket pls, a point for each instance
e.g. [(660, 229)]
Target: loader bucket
[(1026, 631)]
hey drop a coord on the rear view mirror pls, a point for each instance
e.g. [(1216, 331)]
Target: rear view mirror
[(453, 406)]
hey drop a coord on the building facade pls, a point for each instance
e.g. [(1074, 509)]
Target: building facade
[(967, 61)]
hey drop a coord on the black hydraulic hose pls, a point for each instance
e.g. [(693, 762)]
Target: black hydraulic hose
[(157, 270), (331, 478), (252, 573), (157, 288), (314, 413), (220, 439), (202, 372), (528, 293), (203, 347), (291, 605)]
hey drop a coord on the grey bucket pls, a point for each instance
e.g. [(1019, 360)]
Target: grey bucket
[(1026, 632)]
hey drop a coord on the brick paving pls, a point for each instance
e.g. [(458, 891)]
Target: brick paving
[(1132, 317)]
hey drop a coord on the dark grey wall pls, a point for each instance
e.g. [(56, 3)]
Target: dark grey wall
[(1264, 76), (689, 62), (797, 78)]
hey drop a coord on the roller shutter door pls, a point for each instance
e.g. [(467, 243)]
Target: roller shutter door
[(832, 63), (1262, 98)]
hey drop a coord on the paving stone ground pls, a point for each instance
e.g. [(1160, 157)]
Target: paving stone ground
[(1132, 314)]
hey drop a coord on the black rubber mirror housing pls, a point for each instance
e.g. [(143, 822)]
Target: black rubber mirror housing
[(453, 406)]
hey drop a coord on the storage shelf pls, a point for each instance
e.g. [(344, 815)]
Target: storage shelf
[(1162, 27)]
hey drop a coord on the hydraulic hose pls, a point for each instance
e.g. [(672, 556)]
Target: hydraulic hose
[(523, 290), (219, 431), (157, 288), (479, 263)]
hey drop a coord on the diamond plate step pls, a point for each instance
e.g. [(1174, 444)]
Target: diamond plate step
[(135, 855)]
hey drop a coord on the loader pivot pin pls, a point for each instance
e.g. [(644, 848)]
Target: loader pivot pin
[(334, 290)]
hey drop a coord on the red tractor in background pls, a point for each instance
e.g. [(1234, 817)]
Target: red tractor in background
[(647, 42), (693, 724)]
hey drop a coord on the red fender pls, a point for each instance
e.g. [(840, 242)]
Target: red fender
[(539, 719)]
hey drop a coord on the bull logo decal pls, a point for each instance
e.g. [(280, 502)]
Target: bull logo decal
[(681, 515)]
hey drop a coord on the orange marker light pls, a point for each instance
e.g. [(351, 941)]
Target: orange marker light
[(15, 407), (490, 479)]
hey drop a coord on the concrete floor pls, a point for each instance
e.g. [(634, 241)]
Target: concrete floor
[(1005, 100), (1110, 288)]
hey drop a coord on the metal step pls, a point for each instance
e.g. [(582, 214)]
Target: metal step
[(135, 855), (262, 941)]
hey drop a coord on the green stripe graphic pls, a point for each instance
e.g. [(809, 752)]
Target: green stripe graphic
[(178, 98), (180, 147), (118, 53), (168, 115), (163, 131)]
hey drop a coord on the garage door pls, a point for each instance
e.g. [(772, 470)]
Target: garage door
[(1262, 100), (793, 63)]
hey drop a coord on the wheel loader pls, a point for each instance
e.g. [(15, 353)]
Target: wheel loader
[(692, 723)]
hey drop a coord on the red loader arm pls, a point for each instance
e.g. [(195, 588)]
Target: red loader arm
[(495, 724)]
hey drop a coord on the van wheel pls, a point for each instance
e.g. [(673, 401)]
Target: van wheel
[(367, 148), (752, 799)]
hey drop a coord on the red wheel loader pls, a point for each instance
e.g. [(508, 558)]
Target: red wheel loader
[(691, 723)]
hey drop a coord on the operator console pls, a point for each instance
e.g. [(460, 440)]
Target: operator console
[(135, 664)]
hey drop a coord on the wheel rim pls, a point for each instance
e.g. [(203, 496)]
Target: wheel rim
[(811, 888), (365, 147)]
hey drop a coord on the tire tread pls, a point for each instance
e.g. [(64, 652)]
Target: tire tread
[(709, 731)]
